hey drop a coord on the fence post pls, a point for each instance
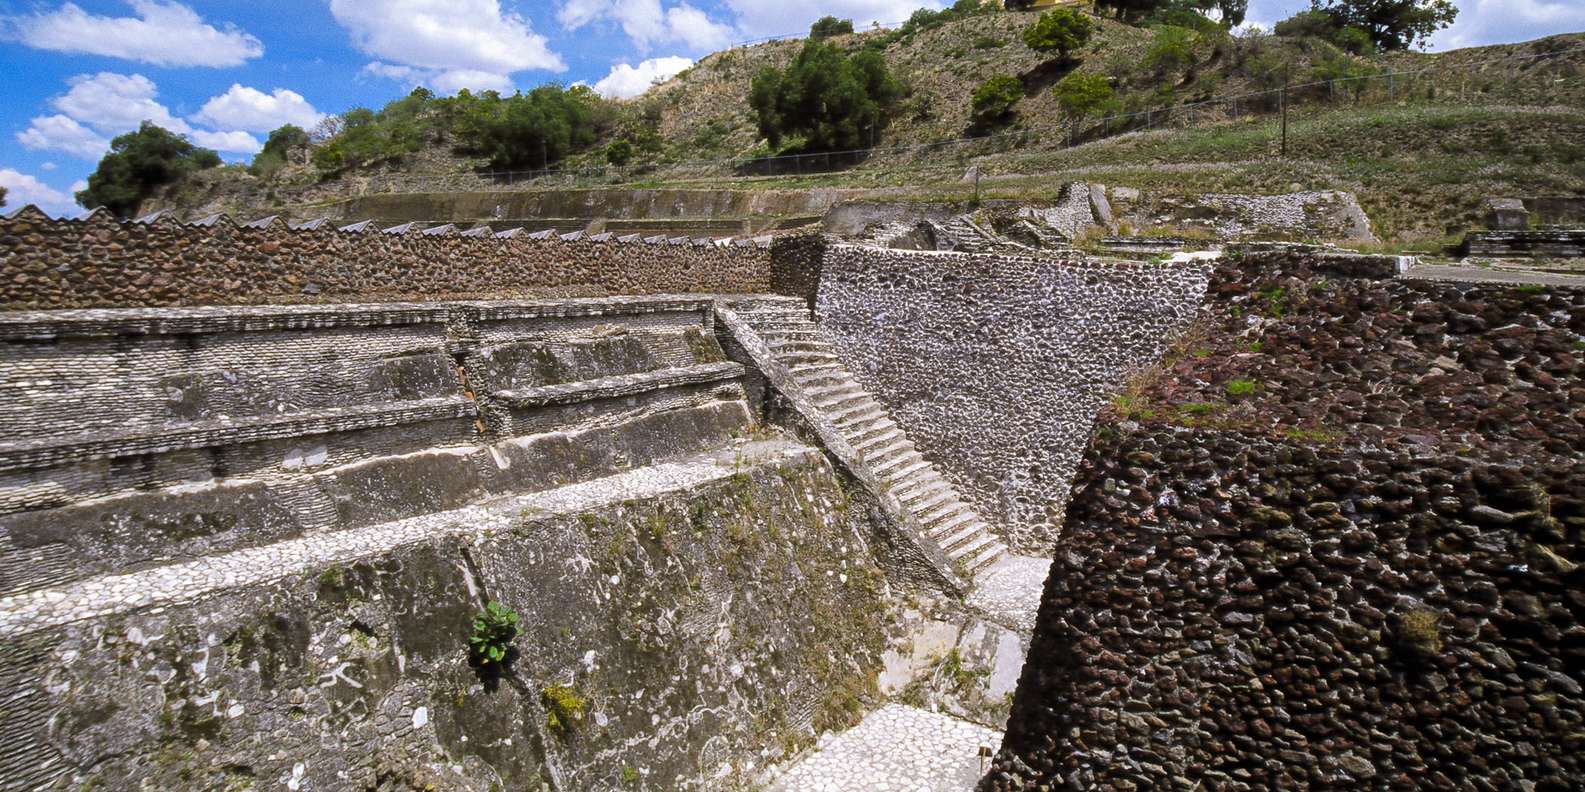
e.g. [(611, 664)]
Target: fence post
[(1284, 118)]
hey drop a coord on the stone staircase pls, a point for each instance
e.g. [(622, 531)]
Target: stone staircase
[(793, 340)]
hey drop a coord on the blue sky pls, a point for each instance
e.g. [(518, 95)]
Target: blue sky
[(225, 72)]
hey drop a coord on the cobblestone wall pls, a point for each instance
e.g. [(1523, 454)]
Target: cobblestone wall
[(100, 262), (1334, 541), (996, 365)]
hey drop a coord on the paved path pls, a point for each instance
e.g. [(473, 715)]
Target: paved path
[(1008, 591), (896, 749), (1484, 275)]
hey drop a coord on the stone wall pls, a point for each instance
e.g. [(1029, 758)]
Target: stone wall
[(996, 365), (100, 262), (684, 635), (1526, 244), (1240, 612), (1333, 541), (243, 545)]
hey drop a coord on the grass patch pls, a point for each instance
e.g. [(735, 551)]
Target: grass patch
[(1242, 388)]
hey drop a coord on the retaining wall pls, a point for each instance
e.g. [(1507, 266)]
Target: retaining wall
[(996, 365), (100, 262), (1333, 541)]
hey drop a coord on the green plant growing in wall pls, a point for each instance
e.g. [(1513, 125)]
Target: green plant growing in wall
[(1420, 633), (1241, 388), (493, 631)]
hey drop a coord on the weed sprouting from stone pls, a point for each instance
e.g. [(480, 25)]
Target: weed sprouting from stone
[(493, 631)]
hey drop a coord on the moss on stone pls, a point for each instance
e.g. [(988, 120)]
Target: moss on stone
[(564, 708)]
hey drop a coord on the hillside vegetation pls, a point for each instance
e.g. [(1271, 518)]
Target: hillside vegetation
[(1421, 151)]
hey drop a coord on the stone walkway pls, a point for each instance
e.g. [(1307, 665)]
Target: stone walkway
[(1008, 591), (1484, 275), (896, 749)]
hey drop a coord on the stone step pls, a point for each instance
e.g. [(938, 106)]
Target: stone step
[(853, 414), (841, 400), (933, 509), (835, 375), (986, 557), (778, 345), (973, 546), (805, 356), (876, 453), (919, 487), (887, 467), (865, 436), (903, 466), (951, 522), (817, 392), (948, 541)]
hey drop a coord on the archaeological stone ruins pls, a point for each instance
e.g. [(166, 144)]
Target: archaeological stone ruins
[(932, 501)]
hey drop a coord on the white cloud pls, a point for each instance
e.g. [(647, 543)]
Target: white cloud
[(250, 109), (647, 22), (23, 189), (1499, 21), (47, 166), (163, 33), (232, 142), (450, 43), (1479, 22), (111, 102), (60, 133), (625, 80)]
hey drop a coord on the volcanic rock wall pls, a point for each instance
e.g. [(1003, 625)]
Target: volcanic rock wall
[(996, 365), (1333, 542), (101, 262)]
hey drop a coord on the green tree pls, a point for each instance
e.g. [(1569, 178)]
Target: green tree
[(139, 163), (1083, 95), (1171, 50), (827, 26), (825, 99), (994, 101), (1392, 24), (619, 152), (1131, 10), (1195, 14), (1060, 30), (273, 156), (2, 197)]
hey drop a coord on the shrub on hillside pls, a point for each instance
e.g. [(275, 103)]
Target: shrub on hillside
[(994, 101), (828, 26), (1061, 30), (1171, 50), (139, 163), (1084, 95), (619, 152), (828, 100), (273, 156)]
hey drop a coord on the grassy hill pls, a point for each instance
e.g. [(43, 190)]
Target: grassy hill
[(1420, 151)]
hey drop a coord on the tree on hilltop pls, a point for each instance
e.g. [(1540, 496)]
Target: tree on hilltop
[(1060, 30), (139, 163), (825, 99), (1392, 24), (827, 26)]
